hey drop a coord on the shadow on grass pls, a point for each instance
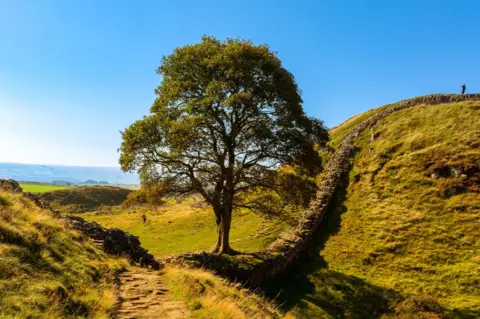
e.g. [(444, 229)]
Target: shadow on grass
[(318, 291)]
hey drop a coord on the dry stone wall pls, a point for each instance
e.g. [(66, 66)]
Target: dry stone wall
[(253, 269), (115, 241)]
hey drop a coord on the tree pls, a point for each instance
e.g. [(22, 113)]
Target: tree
[(226, 117)]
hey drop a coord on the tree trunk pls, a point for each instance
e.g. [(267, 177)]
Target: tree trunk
[(223, 219), (226, 208), (218, 221), (226, 223)]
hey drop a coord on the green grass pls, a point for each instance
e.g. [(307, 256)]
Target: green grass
[(47, 271), (180, 227), (397, 241), (40, 188)]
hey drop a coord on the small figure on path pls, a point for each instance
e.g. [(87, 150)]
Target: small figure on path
[(464, 87), (144, 218)]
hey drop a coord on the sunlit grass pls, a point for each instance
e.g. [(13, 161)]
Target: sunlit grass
[(47, 271), (398, 230), (184, 227), (208, 296), (394, 245), (39, 188)]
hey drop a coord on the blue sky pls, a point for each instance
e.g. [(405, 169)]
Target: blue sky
[(75, 73)]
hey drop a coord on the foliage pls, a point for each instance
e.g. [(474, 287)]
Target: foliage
[(151, 195), (291, 197), (226, 117)]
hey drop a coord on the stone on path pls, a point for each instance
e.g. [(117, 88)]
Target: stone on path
[(144, 295)]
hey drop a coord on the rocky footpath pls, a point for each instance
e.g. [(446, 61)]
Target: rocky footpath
[(254, 268), (113, 241)]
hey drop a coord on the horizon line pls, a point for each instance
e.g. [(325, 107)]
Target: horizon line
[(99, 166)]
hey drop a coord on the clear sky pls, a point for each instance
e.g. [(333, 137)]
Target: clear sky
[(75, 73)]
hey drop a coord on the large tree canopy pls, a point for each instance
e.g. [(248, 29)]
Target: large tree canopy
[(226, 117)]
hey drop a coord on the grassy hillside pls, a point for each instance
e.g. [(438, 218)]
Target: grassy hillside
[(188, 226), (338, 133), (404, 237), (208, 296), (47, 271), (39, 188), (85, 198)]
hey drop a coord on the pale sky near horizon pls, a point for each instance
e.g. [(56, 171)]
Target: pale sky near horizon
[(75, 73)]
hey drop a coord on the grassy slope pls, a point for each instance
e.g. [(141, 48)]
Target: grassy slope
[(39, 188), (399, 230), (47, 271), (395, 243), (85, 198), (180, 227), (338, 133), (208, 296)]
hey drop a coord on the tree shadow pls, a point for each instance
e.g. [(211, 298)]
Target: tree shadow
[(466, 313)]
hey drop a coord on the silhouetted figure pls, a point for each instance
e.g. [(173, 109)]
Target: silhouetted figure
[(464, 87), (144, 218)]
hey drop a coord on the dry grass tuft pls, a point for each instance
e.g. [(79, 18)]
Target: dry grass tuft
[(209, 296), (47, 271)]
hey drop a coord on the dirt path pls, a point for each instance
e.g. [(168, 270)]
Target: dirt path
[(143, 296)]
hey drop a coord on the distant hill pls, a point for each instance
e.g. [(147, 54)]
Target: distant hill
[(85, 198), (71, 174)]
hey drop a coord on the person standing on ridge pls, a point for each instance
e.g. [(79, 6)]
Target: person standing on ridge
[(144, 218), (464, 87)]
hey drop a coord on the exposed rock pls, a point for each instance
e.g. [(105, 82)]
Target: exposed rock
[(374, 136), (115, 241), (463, 169), (10, 185), (455, 172)]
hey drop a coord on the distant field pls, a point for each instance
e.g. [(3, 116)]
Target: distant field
[(39, 188), (176, 228)]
